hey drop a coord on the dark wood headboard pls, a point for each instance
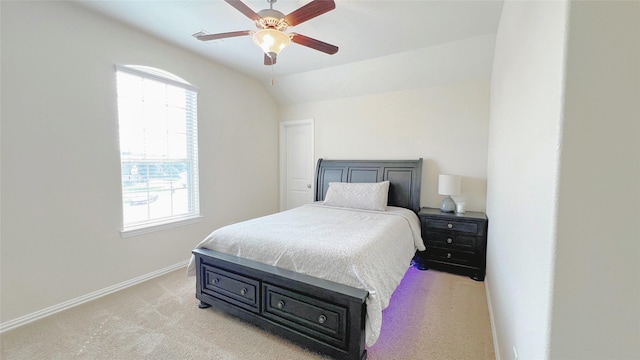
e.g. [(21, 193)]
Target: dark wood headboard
[(404, 176)]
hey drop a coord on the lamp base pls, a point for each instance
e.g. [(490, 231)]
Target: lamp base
[(447, 204)]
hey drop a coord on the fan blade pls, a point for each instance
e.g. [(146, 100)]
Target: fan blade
[(269, 61), (314, 44), (309, 11), (223, 35), (240, 6)]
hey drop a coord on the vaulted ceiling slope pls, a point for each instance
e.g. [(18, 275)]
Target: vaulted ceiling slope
[(385, 45)]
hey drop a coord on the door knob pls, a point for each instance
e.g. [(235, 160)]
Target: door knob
[(308, 186)]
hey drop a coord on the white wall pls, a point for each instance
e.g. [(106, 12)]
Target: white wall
[(563, 170), (596, 302), (446, 125), (522, 172), (61, 211), (445, 63)]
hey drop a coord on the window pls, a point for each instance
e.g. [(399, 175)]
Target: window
[(157, 115)]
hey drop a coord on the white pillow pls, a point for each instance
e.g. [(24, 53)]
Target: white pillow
[(365, 196)]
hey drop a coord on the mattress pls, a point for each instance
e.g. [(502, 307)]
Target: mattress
[(365, 249)]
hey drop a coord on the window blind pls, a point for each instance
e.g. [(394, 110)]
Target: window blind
[(157, 117)]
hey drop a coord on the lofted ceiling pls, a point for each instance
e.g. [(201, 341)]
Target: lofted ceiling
[(365, 31)]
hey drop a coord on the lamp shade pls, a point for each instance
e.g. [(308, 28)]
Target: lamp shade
[(449, 184), (271, 41)]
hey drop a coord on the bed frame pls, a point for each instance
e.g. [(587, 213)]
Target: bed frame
[(320, 315)]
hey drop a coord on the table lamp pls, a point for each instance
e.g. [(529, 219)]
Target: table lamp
[(448, 185)]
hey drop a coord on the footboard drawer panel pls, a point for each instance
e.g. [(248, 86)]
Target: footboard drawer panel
[(233, 288), (311, 316), (321, 315)]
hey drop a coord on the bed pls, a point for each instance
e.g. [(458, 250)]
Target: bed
[(323, 287)]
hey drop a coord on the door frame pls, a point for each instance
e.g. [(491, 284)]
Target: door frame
[(283, 156)]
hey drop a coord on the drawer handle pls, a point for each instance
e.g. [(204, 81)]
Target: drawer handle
[(450, 226), (448, 255), (243, 291), (322, 319), (280, 304), (449, 240), (216, 281)]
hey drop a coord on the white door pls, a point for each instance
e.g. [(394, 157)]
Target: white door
[(297, 166)]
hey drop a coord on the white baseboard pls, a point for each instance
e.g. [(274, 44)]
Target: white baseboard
[(494, 335), (12, 324)]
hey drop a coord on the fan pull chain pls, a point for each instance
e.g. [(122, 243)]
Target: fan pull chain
[(272, 81)]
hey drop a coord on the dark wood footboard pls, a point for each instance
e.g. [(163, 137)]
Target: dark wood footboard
[(320, 315)]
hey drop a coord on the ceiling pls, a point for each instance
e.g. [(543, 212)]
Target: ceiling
[(364, 30)]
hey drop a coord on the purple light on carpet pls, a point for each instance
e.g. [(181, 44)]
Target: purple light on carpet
[(404, 301)]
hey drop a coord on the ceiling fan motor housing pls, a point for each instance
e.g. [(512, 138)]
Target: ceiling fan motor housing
[(271, 19)]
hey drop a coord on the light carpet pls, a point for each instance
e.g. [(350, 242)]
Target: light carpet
[(432, 315)]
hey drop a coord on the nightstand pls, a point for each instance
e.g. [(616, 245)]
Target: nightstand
[(455, 243)]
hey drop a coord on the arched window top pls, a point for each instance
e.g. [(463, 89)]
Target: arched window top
[(159, 74)]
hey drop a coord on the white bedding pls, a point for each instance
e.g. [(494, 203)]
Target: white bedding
[(365, 249)]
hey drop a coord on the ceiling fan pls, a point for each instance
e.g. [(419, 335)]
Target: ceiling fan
[(272, 24)]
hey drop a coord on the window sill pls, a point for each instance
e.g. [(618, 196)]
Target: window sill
[(149, 228)]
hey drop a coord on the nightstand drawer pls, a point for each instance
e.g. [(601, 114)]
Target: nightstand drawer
[(461, 226), (460, 257), (450, 240)]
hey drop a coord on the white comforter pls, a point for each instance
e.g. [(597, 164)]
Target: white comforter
[(369, 250)]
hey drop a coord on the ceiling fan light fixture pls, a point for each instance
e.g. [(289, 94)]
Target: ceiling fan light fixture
[(271, 41)]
